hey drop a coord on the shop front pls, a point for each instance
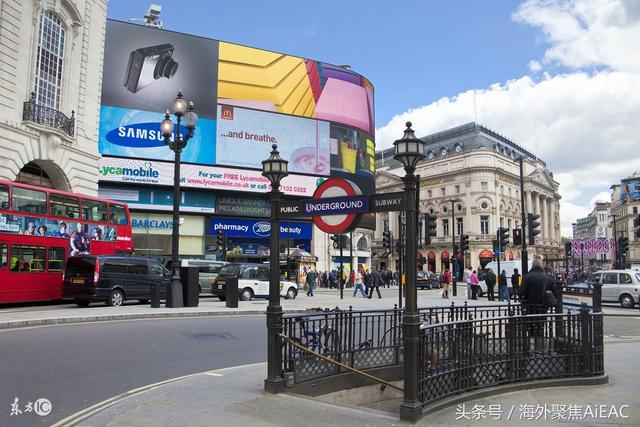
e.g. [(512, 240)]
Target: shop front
[(152, 234), (431, 261), (444, 261), (485, 256), (247, 239)]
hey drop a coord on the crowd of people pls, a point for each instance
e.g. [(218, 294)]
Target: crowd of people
[(363, 281)]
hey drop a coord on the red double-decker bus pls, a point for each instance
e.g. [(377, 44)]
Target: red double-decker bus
[(40, 228)]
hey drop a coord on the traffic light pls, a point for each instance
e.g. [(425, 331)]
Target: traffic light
[(221, 241), (503, 237), (636, 226), (517, 236), (398, 248), (430, 230), (533, 225), (456, 248), (386, 240), (568, 249), (623, 246), (464, 242)]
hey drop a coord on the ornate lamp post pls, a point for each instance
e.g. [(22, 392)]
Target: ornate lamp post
[(176, 141), (274, 168), (409, 151)]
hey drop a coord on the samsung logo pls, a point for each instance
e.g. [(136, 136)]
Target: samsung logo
[(138, 135), (262, 228)]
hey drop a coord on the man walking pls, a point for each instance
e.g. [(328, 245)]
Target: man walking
[(468, 274), (503, 287), (532, 292), (515, 282), (490, 280), (311, 281), (375, 282)]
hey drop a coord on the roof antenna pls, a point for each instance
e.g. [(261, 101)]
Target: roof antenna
[(152, 18)]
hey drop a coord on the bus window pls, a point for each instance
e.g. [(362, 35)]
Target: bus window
[(27, 258), (64, 206), (94, 211), (56, 259), (118, 215), (4, 255), (32, 201), (4, 197)]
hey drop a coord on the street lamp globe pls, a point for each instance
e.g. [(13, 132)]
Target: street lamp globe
[(179, 105), (190, 118), (275, 167), (166, 126), (409, 149)]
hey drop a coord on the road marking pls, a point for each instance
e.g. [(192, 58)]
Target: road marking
[(214, 374)]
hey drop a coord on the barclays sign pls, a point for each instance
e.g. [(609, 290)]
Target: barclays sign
[(239, 227)]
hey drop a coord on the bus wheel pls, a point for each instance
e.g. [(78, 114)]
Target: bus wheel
[(82, 302), (116, 298)]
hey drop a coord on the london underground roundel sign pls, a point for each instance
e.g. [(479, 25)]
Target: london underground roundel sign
[(336, 224)]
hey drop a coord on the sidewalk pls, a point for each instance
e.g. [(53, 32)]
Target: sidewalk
[(16, 317), (234, 397)]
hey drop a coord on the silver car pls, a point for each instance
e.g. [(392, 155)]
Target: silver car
[(621, 286)]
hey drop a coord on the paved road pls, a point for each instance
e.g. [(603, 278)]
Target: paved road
[(76, 366)]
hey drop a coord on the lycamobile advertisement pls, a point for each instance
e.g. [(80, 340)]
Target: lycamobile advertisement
[(245, 138), (199, 176), (134, 133)]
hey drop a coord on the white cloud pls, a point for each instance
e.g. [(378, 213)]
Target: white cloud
[(535, 66), (584, 124), (604, 196)]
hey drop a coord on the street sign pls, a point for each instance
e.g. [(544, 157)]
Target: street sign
[(388, 202), (290, 208), (339, 220), (335, 205)]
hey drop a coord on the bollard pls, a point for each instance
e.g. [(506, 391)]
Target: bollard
[(155, 295)]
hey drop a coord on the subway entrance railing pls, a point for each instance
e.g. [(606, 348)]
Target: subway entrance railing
[(462, 348)]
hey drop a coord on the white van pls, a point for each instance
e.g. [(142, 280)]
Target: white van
[(508, 267)]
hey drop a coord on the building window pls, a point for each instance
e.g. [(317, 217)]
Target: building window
[(635, 210), (502, 189), (509, 223), (445, 227), (443, 191), (49, 58), (484, 224), (484, 186), (457, 189), (501, 222), (459, 226), (509, 192), (429, 193)]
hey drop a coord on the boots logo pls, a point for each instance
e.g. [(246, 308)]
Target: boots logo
[(262, 228), (137, 135)]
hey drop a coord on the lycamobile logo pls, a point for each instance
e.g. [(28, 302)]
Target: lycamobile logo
[(142, 172)]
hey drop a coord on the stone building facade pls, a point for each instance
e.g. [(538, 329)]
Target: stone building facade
[(625, 205), (470, 180), (51, 54)]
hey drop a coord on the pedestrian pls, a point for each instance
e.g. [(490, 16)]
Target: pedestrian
[(532, 297), (516, 280), (389, 278), (332, 279), (474, 285), (490, 280), (374, 283), (468, 274), (352, 278), (445, 284), (359, 285), (503, 287), (311, 281)]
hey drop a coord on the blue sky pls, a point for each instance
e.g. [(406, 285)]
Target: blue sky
[(414, 52), (559, 77)]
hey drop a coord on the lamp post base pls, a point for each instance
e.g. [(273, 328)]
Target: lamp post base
[(174, 294), (274, 385), (410, 411)]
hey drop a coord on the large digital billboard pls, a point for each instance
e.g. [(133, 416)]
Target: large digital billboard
[(320, 115), (630, 190)]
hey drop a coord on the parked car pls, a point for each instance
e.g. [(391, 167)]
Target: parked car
[(208, 270), (112, 279), (427, 279), (253, 282), (621, 286)]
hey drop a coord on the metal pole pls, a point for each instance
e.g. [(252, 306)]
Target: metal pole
[(400, 268), (411, 320), (174, 297), (341, 244), (288, 253), (524, 255), (499, 256), (351, 252), (615, 238), (274, 383), (452, 258)]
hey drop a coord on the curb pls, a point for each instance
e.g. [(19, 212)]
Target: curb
[(17, 324)]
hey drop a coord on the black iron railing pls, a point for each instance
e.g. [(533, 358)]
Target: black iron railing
[(469, 354), (46, 116)]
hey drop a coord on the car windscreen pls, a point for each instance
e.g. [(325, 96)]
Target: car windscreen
[(229, 270), (80, 267)]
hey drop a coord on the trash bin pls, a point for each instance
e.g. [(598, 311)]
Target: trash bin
[(231, 287), (190, 286)]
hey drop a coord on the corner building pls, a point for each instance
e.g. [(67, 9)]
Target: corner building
[(479, 170), (51, 55)]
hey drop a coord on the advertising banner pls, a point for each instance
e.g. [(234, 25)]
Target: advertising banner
[(243, 206), (134, 133), (245, 138), (352, 151), (239, 227), (630, 190), (160, 199), (195, 176)]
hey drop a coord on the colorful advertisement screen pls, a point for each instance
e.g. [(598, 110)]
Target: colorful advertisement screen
[(631, 190)]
